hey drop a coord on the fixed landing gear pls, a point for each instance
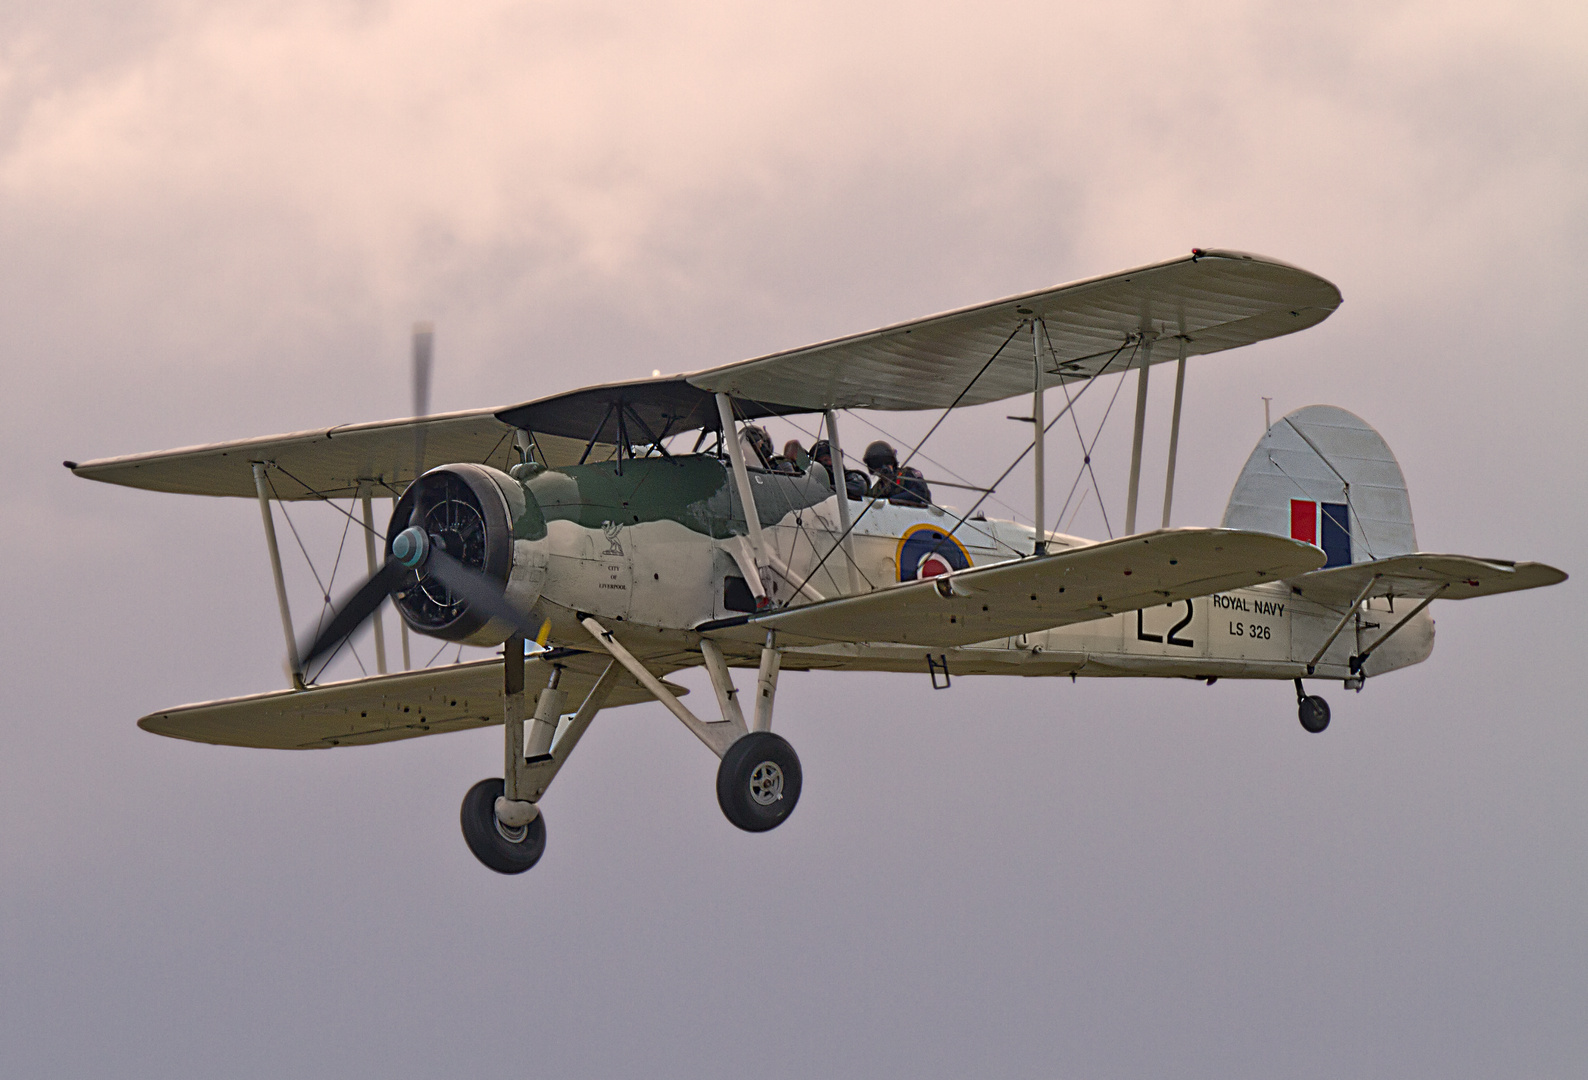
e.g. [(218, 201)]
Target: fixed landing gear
[(1312, 710), (503, 848), (758, 781), (758, 775)]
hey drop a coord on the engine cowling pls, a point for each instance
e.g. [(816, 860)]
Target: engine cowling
[(486, 520)]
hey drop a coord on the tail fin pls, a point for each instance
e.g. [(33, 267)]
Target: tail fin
[(1324, 476)]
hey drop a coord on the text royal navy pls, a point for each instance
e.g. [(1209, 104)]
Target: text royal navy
[(1241, 603)]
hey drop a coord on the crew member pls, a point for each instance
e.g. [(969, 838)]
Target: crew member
[(795, 455), (903, 487), (884, 465), (754, 438), (854, 479), (912, 488)]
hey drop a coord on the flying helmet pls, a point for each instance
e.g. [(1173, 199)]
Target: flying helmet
[(879, 455)]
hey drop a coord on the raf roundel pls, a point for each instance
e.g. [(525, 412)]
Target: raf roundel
[(926, 551)]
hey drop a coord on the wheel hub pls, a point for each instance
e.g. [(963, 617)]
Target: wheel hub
[(766, 783), (510, 834)]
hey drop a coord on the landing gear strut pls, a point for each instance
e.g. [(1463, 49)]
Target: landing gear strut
[(502, 822), (1312, 710), (758, 778)]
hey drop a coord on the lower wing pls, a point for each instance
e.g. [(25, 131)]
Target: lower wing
[(384, 708), (1030, 594)]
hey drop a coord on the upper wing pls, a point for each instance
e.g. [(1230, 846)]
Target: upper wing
[(327, 462), (1216, 300), (1026, 595), (1207, 301), (1453, 577), (379, 709)]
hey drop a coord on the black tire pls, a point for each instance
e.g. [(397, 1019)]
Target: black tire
[(1314, 713), (507, 851), (758, 781)]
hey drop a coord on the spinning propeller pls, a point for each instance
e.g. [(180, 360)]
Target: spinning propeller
[(415, 553)]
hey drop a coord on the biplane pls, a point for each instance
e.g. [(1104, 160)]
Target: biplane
[(608, 537)]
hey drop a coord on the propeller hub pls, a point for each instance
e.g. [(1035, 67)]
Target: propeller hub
[(411, 546)]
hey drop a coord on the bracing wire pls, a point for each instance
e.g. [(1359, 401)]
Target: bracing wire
[(323, 586), (1086, 461), (330, 582), (295, 535), (933, 461), (993, 537), (1086, 450), (839, 484), (330, 500), (1084, 496), (1069, 407)]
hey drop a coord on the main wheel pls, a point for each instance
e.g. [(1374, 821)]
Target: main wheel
[(758, 782), (1314, 713), (505, 850)]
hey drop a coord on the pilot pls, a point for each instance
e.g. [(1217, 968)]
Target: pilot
[(759, 443), (884, 464), (854, 479), (903, 487)]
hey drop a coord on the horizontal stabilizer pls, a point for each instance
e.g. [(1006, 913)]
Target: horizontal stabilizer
[(1419, 575), (1031, 594), (384, 708)]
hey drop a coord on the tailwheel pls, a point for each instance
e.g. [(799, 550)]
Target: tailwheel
[(1314, 713), (504, 849), (758, 782)]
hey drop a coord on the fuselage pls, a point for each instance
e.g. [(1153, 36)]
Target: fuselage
[(658, 548)]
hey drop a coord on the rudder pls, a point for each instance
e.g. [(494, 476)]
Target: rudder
[(1324, 476)]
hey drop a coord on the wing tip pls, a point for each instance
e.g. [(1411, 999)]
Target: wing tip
[(1554, 574)]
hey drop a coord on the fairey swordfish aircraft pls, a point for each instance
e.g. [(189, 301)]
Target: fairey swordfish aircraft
[(610, 536)]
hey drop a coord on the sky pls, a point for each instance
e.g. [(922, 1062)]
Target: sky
[(221, 220)]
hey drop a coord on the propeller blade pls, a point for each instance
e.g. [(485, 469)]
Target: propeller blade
[(421, 508), (352, 612), (481, 593), (424, 355), (412, 549)]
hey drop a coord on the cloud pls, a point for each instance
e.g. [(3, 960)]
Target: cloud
[(386, 147)]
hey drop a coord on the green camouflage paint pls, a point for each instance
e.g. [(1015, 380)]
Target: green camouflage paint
[(696, 491)]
